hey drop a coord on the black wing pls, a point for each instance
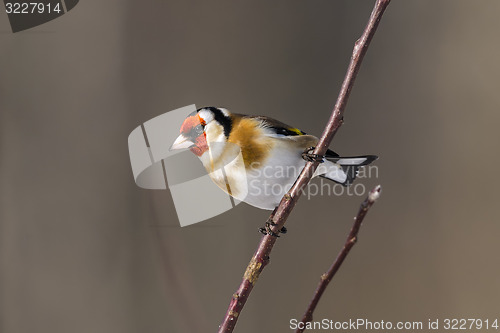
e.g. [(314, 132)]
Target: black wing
[(277, 126), (286, 130)]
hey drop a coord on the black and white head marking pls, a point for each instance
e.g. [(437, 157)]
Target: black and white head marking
[(220, 115)]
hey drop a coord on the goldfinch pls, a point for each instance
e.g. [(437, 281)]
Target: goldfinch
[(256, 159)]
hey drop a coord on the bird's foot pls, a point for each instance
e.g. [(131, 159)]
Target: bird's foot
[(310, 157), (268, 231)]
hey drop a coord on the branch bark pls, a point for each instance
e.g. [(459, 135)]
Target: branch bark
[(349, 243), (261, 257)]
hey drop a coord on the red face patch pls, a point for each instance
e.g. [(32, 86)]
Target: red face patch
[(200, 140), (201, 145), (190, 123)]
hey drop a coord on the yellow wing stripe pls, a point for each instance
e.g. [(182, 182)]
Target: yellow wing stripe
[(296, 130)]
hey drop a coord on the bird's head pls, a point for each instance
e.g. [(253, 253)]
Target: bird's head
[(206, 129)]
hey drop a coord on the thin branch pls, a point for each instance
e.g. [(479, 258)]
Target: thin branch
[(349, 243), (261, 257)]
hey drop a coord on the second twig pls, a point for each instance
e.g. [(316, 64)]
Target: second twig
[(349, 243)]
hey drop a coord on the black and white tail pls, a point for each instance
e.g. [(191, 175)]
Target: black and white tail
[(343, 170)]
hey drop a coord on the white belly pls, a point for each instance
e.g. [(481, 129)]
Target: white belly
[(263, 186)]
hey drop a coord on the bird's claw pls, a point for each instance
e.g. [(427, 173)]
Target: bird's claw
[(268, 231), (310, 157)]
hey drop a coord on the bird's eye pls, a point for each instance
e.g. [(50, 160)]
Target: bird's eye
[(199, 129)]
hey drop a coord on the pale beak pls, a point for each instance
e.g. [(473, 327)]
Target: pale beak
[(181, 143)]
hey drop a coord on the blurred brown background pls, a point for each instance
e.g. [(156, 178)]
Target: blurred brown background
[(83, 249)]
